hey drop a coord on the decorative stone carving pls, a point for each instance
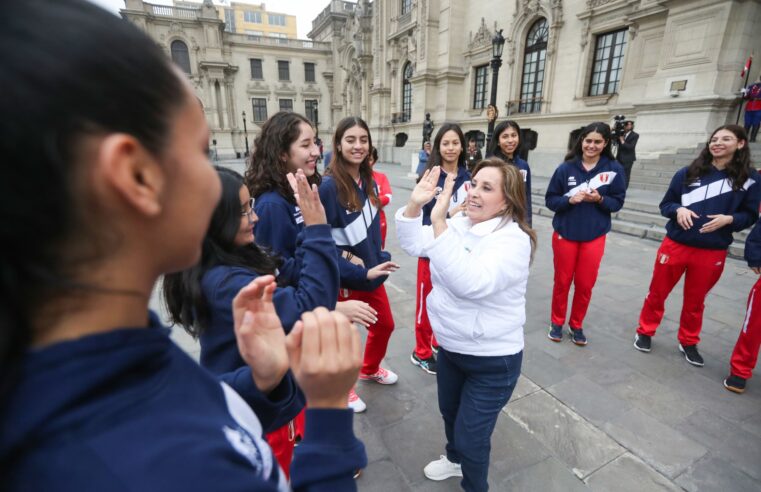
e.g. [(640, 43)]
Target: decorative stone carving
[(482, 37), (175, 28), (584, 33)]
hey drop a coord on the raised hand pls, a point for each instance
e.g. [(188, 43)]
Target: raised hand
[(423, 192), (441, 208), (358, 312), (384, 268), (308, 199), (325, 354), (259, 334)]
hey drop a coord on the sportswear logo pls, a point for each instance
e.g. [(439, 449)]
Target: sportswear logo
[(663, 259), (718, 263), (696, 183), (604, 177), (524, 173), (571, 181)]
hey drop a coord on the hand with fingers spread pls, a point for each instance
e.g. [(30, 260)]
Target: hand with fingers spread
[(308, 199), (259, 333), (325, 353), (684, 217), (385, 268), (717, 222), (358, 312), (423, 192)]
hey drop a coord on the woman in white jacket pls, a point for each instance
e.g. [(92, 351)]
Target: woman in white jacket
[(479, 269)]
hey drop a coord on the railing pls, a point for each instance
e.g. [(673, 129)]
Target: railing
[(283, 42), (168, 11)]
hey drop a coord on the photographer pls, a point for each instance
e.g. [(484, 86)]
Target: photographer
[(627, 143)]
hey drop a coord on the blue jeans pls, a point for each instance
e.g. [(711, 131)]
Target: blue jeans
[(472, 391)]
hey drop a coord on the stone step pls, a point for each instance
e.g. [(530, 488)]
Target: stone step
[(654, 173), (642, 218), (661, 188), (645, 179), (657, 166)]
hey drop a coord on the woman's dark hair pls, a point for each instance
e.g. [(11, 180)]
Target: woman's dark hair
[(183, 295), (597, 127), (69, 70), (738, 169), (374, 155), (435, 158), (266, 169), (338, 168), (494, 148)]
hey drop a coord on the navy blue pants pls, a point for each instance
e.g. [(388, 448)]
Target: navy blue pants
[(472, 391)]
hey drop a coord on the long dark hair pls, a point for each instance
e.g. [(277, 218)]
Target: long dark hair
[(266, 169), (435, 159), (183, 295), (69, 70), (597, 127), (495, 150), (738, 169), (514, 192), (338, 168)]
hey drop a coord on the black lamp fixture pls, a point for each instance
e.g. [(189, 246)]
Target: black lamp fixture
[(497, 45), (245, 131)]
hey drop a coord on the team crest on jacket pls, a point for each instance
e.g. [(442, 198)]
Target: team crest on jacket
[(604, 178)]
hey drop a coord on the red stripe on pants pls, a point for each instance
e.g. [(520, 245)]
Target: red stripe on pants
[(702, 269), (577, 262), (423, 333), (379, 333), (383, 229), (745, 354)]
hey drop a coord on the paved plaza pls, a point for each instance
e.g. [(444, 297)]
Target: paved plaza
[(604, 417)]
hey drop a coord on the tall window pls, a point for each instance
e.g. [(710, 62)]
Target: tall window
[(283, 70), (286, 104), (406, 6), (310, 110), (180, 55), (533, 68), (479, 94), (256, 69), (309, 72), (251, 16), (260, 109), (609, 58), (276, 19), (229, 20), (407, 92)]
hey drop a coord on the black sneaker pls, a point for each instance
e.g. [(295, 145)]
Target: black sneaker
[(642, 342), (577, 336), (556, 333), (691, 354), (735, 384), (428, 365)]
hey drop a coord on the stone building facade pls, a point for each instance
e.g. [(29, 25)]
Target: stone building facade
[(233, 73)]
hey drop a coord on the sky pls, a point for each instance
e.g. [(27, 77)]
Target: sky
[(304, 10)]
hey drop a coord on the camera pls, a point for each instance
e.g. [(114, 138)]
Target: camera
[(619, 125)]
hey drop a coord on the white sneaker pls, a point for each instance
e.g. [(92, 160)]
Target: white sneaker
[(442, 469), (356, 403), (383, 376)]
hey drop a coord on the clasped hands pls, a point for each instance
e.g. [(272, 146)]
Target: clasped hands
[(588, 195)]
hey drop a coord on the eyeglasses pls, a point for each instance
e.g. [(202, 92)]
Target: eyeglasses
[(250, 210)]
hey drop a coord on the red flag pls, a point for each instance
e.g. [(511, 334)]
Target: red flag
[(746, 68)]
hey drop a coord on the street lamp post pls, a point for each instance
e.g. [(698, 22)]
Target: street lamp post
[(245, 132), (497, 44)]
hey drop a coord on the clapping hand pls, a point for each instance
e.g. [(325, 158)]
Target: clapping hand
[(325, 353), (384, 269), (308, 199), (423, 192), (259, 334), (578, 197), (441, 208)]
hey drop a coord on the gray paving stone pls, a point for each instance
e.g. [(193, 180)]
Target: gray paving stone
[(414, 443), (717, 475), (707, 428), (660, 446), (596, 403), (524, 387), (549, 475), (743, 450), (382, 476), (571, 439), (627, 473), (543, 369), (753, 423), (709, 393)]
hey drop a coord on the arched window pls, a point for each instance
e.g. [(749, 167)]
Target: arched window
[(407, 92), (533, 67), (181, 56)]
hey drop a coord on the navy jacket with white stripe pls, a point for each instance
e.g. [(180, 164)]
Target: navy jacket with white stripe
[(585, 221), (712, 194), (356, 232)]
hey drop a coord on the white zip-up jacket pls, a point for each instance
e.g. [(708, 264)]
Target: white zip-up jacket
[(479, 273)]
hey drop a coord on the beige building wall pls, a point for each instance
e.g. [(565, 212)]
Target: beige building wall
[(251, 19), (221, 75)]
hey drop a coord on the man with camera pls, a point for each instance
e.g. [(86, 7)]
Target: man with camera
[(626, 154)]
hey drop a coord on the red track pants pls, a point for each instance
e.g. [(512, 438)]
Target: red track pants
[(702, 269), (745, 355), (423, 333), (379, 333), (577, 262), (283, 440)]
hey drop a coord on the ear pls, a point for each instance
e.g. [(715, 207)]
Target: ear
[(740, 144), (132, 173)]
